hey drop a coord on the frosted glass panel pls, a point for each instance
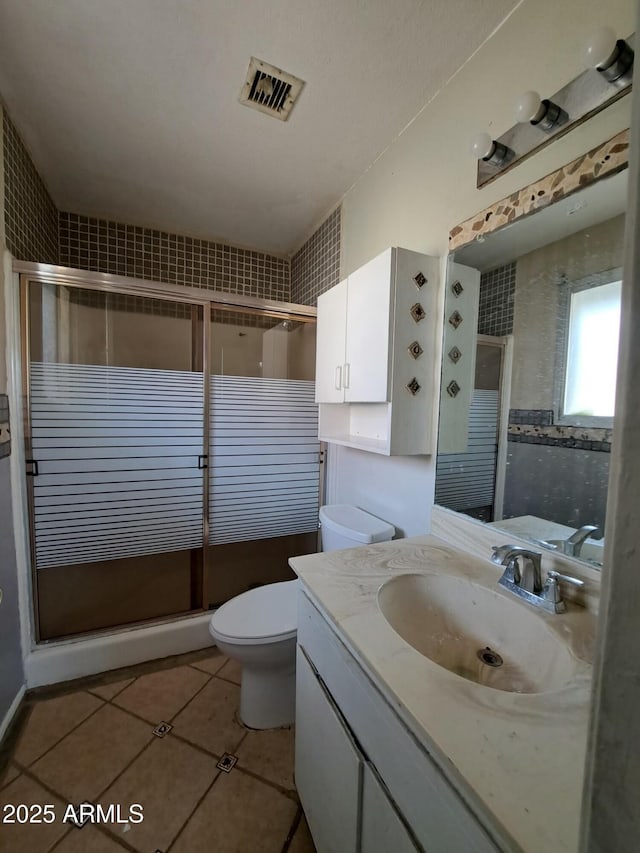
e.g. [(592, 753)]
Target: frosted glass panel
[(467, 480), (264, 458), (118, 452)]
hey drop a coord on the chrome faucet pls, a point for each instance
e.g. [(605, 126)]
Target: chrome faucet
[(572, 546), (530, 578), (526, 583)]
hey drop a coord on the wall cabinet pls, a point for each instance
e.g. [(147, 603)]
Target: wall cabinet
[(365, 783), (377, 348)]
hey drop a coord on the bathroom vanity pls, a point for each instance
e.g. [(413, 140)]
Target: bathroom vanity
[(396, 752)]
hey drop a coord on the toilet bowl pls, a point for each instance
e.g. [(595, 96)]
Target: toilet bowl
[(258, 628)]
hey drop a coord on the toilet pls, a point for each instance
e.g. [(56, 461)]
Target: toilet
[(258, 628)]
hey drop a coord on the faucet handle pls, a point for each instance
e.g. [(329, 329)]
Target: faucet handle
[(566, 578)]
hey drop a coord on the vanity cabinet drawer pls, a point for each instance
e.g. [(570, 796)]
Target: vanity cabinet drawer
[(440, 820)]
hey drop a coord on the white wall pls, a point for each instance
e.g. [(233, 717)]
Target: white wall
[(425, 183)]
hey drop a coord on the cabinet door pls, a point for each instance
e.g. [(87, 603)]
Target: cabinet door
[(330, 344), (383, 830), (366, 370), (328, 766)]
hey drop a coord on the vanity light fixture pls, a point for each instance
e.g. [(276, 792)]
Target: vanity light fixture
[(610, 56), (483, 147), (541, 113)]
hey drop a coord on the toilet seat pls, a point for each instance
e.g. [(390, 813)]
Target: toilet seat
[(267, 614)]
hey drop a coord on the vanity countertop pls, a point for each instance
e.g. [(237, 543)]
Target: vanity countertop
[(516, 759)]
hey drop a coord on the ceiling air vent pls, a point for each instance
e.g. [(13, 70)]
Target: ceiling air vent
[(270, 90)]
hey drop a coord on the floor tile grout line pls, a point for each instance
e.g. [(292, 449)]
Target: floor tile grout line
[(71, 731), (122, 689), (182, 707), (227, 680), (194, 810), (54, 792), (188, 702), (9, 764), (292, 830)]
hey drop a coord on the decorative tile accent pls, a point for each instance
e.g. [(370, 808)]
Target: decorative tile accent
[(417, 312), (227, 762), (497, 299), (162, 729), (606, 159), (455, 355), (455, 319), (420, 279), (413, 387), (457, 289), (31, 218), (112, 247), (453, 388), (533, 417), (315, 267), (576, 438), (415, 350)]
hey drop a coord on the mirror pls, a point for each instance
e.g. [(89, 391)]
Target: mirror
[(528, 450)]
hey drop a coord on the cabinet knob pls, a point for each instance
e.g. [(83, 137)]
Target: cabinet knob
[(338, 377), (347, 374)]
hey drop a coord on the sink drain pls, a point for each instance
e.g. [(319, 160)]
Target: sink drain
[(489, 657)]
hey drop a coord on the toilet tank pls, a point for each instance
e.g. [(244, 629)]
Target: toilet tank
[(346, 526)]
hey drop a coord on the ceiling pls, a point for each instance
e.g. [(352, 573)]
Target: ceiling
[(130, 108)]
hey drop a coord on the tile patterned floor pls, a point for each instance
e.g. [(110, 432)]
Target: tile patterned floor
[(92, 741)]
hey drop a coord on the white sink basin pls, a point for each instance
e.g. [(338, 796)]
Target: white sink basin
[(476, 633)]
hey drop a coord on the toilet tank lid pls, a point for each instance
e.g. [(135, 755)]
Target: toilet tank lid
[(355, 523)]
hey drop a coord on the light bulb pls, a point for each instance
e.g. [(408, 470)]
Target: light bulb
[(528, 107), (482, 145), (599, 50)]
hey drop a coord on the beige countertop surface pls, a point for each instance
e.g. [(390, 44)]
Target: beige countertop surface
[(517, 759)]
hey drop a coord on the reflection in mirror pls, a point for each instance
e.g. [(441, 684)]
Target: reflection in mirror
[(533, 456)]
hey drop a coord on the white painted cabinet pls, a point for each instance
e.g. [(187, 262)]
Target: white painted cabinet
[(328, 765), (377, 347), (330, 344), (352, 343), (346, 806), (367, 361), (383, 830), (360, 773)]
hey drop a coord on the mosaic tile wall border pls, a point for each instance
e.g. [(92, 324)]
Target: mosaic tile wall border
[(576, 438), (31, 217), (606, 159), (497, 298), (112, 247), (315, 267)]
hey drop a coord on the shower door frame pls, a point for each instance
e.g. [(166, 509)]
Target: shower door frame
[(129, 286)]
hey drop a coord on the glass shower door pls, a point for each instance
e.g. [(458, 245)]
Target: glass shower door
[(117, 457), (264, 454)]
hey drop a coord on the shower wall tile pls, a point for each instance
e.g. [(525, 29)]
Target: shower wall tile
[(31, 218), (315, 267), (111, 247), (497, 296)]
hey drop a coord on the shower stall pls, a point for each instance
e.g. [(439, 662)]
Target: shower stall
[(172, 457)]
